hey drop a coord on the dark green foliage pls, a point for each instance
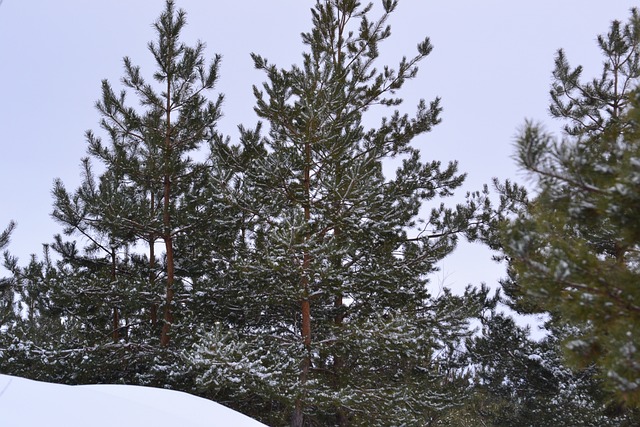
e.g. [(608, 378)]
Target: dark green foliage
[(288, 277), (574, 247), (336, 321), (103, 308), (151, 190), (593, 107), (8, 301), (6, 234), (516, 381)]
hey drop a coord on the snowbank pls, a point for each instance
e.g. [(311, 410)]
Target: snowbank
[(32, 403)]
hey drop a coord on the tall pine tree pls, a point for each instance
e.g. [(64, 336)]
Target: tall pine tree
[(151, 189), (574, 247), (336, 322)]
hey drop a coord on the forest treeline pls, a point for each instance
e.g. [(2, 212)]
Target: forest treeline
[(286, 276)]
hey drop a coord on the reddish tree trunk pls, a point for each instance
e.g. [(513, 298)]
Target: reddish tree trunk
[(297, 420), (152, 274), (152, 282), (166, 219), (169, 293), (115, 334)]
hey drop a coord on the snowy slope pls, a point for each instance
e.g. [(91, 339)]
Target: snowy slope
[(27, 403)]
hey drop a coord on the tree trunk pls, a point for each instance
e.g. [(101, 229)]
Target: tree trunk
[(115, 334), (152, 266), (297, 419), (305, 305), (152, 283), (338, 360), (169, 293), (166, 219), (338, 364)]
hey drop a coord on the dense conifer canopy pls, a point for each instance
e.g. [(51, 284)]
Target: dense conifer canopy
[(287, 275), (575, 244)]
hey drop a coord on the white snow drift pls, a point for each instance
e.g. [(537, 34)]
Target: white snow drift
[(26, 403)]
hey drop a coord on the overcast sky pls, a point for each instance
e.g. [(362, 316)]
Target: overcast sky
[(491, 65)]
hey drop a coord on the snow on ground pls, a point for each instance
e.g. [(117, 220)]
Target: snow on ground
[(27, 403)]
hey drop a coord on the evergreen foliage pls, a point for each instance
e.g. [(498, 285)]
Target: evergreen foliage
[(6, 235), (288, 277), (517, 381), (594, 106), (105, 308), (151, 190), (8, 301), (331, 272), (575, 245)]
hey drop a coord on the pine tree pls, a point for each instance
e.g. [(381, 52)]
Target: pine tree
[(593, 107), (518, 381), (151, 189), (574, 248), (95, 212), (97, 311), (336, 323), (38, 322), (8, 309)]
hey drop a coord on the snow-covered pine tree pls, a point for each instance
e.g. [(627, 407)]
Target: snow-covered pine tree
[(151, 189), (575, 246), (8, 309), (96, 212), (520, 381), (27, 341), (336, 323), (594, 106)]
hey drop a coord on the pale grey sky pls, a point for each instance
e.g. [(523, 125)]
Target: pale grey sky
[(491, 65)]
